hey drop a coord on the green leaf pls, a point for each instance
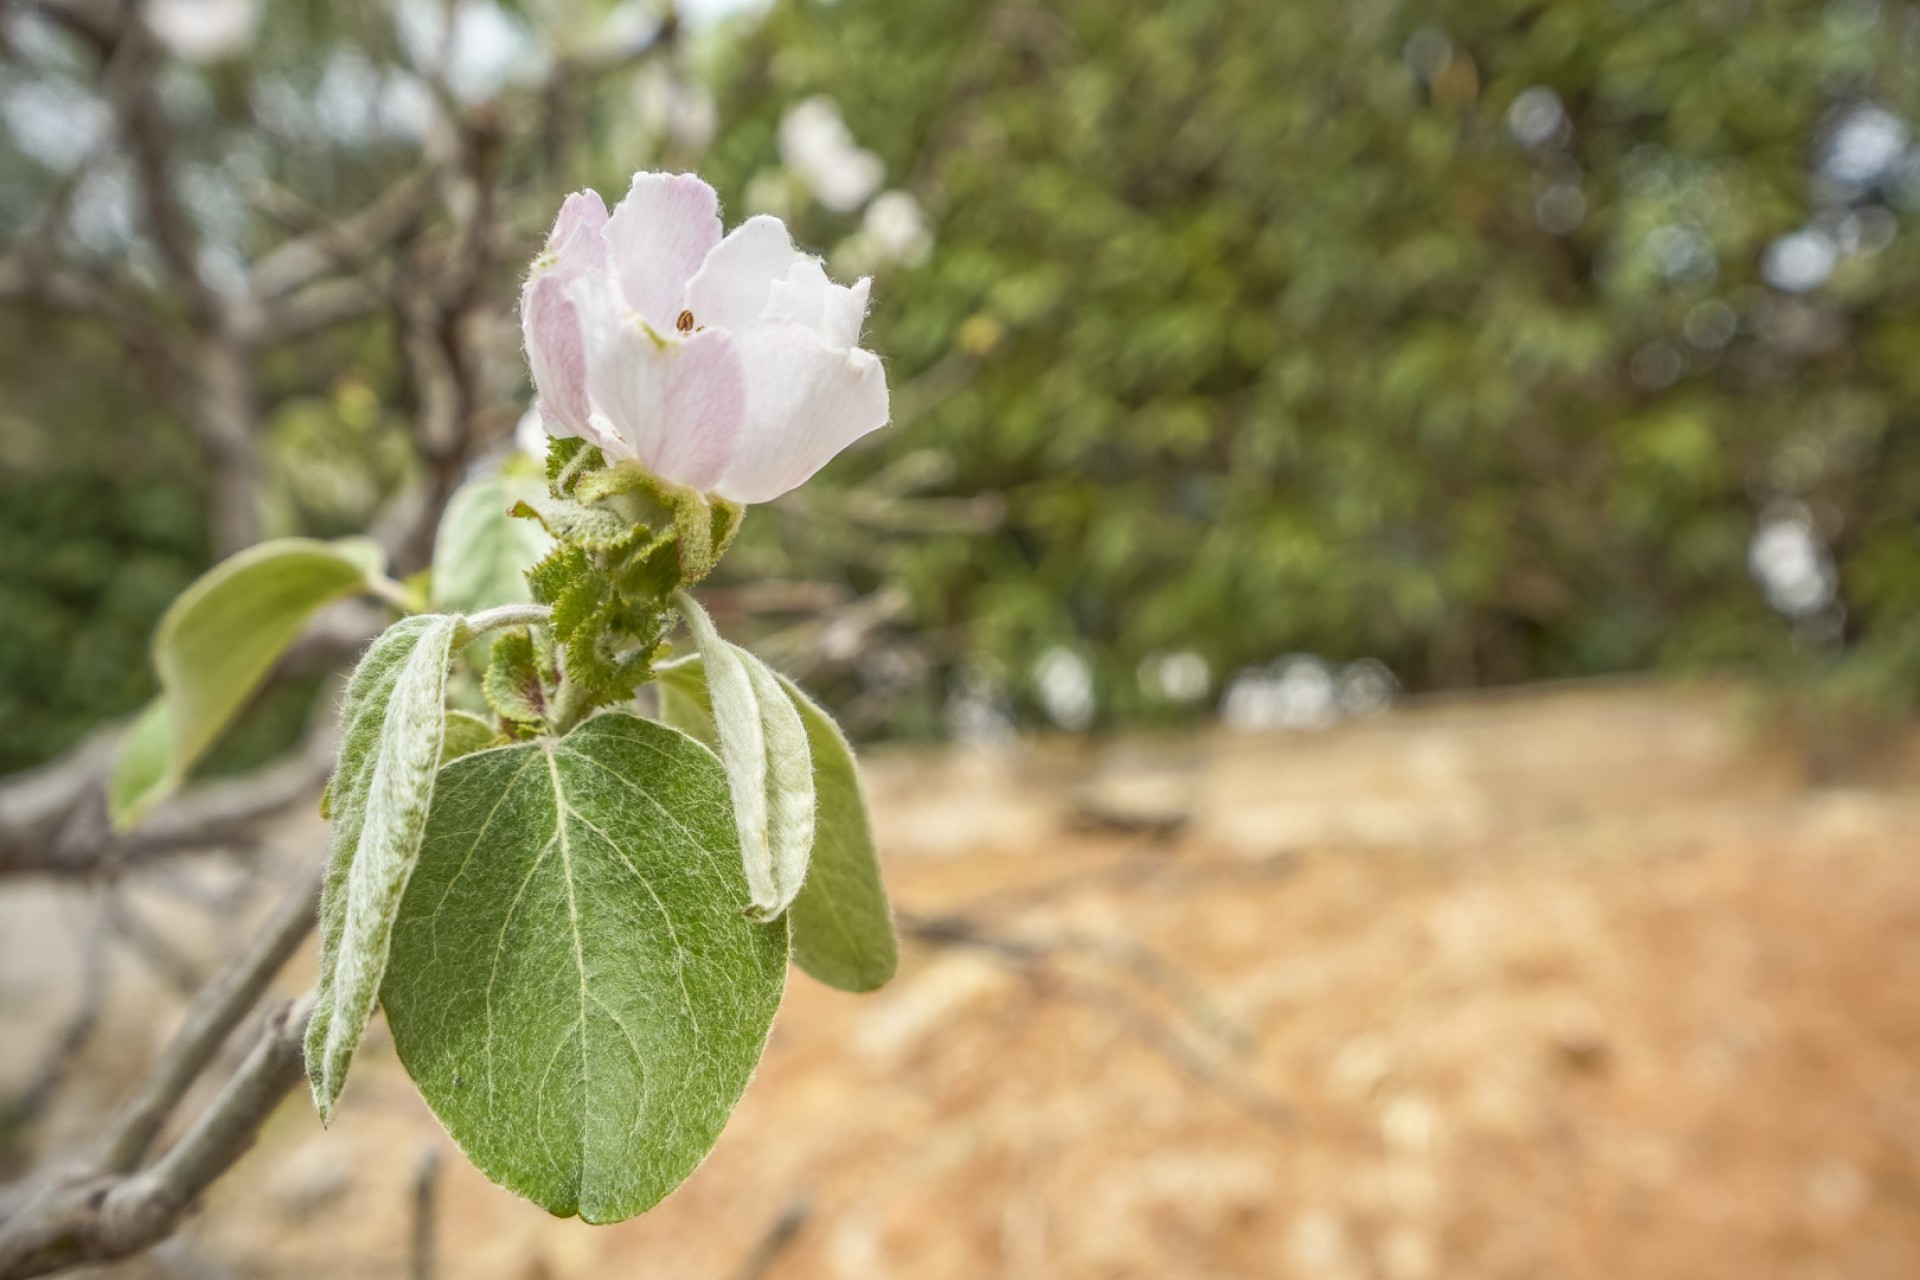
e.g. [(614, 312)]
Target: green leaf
[(572, 985), (481, 554), (842, 926), (140, 773), (513, 686), (221, 637), (764, 747), (466, 733), (393, 726)]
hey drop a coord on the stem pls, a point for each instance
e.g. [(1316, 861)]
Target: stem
[(507, 615)]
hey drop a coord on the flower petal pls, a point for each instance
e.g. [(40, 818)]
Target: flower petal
[(806, 402), (657, 238), (556, 354), (575, 241), (676, 406), (733, 284), (547, 320), (806, 296)]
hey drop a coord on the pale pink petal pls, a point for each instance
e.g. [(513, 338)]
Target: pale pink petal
[(806, 296), (806, 402), (576, 242), (658, 237), (677, 405), (547, 319), (733, 284), (556, 353)]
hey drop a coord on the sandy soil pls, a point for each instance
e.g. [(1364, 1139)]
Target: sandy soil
[(1588, 983)]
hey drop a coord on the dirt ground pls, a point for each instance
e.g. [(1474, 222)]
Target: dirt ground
[(1584, 983)]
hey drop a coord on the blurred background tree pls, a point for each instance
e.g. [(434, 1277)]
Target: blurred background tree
[(1484, 342)]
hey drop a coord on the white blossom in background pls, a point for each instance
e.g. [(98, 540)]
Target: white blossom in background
[(54, 120), (896, 228), (1866, 147), (817, 146), (729, 365), (1791, 564), (1800, 261), (1536, 117), (1183, 677), (203, 30), (1064, 682), (1296, 692)]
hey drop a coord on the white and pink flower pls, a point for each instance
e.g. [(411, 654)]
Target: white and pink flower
[(729, 364)]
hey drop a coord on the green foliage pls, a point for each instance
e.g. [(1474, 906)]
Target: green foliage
[(218, 641), (467, 733), (1270, 335), (572, 984), (482, 552), (393, 726), (842, 923), (87, 565), (516, 687)]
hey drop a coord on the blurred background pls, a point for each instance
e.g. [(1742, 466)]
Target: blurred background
[(1387, 621)]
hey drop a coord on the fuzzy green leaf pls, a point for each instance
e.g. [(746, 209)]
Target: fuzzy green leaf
[(513, 686), (572, 985), (842, 925), (764, 747), (467, 733), (218, 641), (393, 727), (481, 554)]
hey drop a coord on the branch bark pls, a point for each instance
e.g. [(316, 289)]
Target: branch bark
[(107, 1207)]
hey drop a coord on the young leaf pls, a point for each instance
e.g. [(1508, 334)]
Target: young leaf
[(140, 771), (221, 637), (481, 554), (572, 985), (466, 733), (512, 685), (842, 926), (764, 747), (393, 726)]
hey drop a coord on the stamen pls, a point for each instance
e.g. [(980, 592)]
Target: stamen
[(685, 323)]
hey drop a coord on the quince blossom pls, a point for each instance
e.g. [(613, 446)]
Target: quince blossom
[(730, 365)]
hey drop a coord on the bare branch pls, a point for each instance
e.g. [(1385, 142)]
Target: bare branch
[(215, 1011), (92, 1216)]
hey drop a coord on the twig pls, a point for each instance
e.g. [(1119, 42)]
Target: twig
[(213, 1014), (778, 1238), (425, 1186), (93, 1217)]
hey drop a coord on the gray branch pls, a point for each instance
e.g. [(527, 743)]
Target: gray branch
[(107, 1207)]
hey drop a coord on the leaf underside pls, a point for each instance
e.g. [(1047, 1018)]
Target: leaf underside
[(843, 931), (214, 646), (842, 924), (393, 730), (572, 984)]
